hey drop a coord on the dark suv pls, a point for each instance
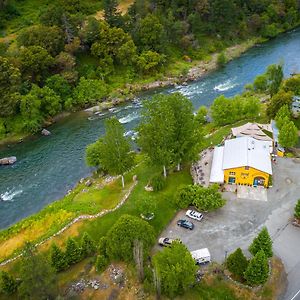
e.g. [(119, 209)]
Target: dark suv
[(186, 224)]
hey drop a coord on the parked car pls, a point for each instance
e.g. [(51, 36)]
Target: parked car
[(165, 241), (186, 224), (194, 215)]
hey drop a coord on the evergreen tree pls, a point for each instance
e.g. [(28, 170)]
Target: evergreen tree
[(73, 252), (38, 280), (262, 242), (88, 247), (111, 13), (58, 258), (258, 269), (283, 116), (288, 135), (275, 76), (7, 283), (237, 263), (101, 263), (102, 246)]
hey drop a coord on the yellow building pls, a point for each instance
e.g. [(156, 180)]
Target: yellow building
[(244, 161)]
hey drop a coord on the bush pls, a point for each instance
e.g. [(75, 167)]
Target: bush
[(183, 197), (297, 210), (262, 242), (203, 198), (221, 60), (101, 263), (237, 263), (7, 283), (146, 205), (158, 183)]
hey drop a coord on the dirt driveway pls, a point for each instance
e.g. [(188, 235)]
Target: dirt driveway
[(239, 221)]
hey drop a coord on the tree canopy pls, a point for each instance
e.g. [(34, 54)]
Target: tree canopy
[(168, 132), (121, 237), (262, 242), (176, 269), (288, 134), (112, 152)]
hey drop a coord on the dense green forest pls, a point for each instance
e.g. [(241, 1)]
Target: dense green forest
[(65, 58)]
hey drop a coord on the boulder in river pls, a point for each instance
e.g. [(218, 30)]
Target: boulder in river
[(8, 160), (45, 132)]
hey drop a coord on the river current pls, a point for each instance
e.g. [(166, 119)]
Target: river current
[(48, 167)]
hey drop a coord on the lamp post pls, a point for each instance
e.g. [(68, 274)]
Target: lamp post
[(226, 252)]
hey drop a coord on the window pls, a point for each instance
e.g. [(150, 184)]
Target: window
[(231, 173), (246, 168)]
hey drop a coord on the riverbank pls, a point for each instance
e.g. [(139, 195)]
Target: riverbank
[(89, 200), (196, 70)]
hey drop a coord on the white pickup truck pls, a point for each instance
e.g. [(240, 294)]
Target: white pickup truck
[(201, 256)]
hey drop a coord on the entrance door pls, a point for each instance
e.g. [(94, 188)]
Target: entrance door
[(258, 181), (231, 180)]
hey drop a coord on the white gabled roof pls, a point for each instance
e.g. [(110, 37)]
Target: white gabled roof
[(247, 151), (217, 173)]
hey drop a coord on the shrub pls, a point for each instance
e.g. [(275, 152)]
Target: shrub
[(101, 263), (221, 60), (158, 182), (297, 210), (146, 205), (7, 283), (183, 197), (237, 263), (203, 198), (258, 269), (262, 242)]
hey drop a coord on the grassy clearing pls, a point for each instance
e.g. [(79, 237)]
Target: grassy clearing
[(30, 11), (82, 200), (164, 211)]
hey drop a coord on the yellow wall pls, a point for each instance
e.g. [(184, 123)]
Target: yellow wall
[(245, 177), (280, 153)]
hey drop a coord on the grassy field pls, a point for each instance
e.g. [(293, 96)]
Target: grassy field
[(82, 200)]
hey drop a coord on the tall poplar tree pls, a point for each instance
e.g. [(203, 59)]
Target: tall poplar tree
[(113, 151), (168, 132)]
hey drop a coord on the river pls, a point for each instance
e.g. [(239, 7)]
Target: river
[(48, 167)]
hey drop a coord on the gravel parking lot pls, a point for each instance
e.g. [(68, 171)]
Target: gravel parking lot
[(239, 221)]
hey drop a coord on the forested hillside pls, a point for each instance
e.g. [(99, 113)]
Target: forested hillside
[(62, 55)]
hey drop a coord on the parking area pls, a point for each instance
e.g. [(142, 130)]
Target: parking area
[(239, 221)]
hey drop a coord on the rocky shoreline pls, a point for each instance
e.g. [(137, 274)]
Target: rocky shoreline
[(196, 72)]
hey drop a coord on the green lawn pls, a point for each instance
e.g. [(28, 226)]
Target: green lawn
[(165, 208)]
